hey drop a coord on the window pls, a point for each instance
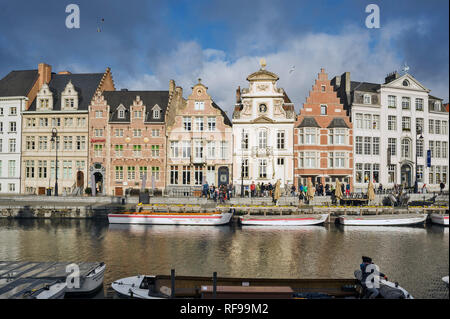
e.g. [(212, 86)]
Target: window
[(156, 114), (367, 99), (376, 173), (121, 114), (437, 106), (142, 172), (359, 145), (1, 111), (68, 121), (199, 124), (359, 173), (444, 174), (223, 149), (431, 126), (280, 140), (12, 127), (406, 103), (43, 122), (186, 175), (81, 143), (308, 136), (405, 83), (43, 103), (56, 122), (392, 173), (98, 150), (67, 169), (392, 123), (198, 175), (119, 173), (137, 114), (444, 149), (244, 140), (376, 122), (155, 172), (367, 121), (280, 161), (406, 123), (81, 122), (376, 146), (419, 125), (12, 145), (30, 143), (29, 169), (98, 132), (339, 159), (367, 145), (337, 136), (419, 147), (437, 127), (199, 106), (307, 159), (131, 173), (211, 149), (262, 139), (431, 147), (69, 103), (174, 149), (392, 101), (137, 150), (211, 124), (323, 109), (12, 168), (444, 130), (42, 142), (419, 104), (119, 150), (438, 149), (119, 132), (262, 168), (98, 114), (420, 173), (155, 150), (1, 127), (186, 149), (187, 123), (244, 168), (137, 132), (12, 187), (406, 148), (431, 175), (198, 150), (42, 169), (367, 167), (173, 175), (392, 146), (155, 133), (359, 120), (322, 88)]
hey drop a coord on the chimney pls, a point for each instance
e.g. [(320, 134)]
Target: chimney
[(336, 82), (346, 76), (391, 77), (124, 90), (45, 74), (171, 86), (238, 95)]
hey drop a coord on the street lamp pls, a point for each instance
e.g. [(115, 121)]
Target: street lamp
[(55, 140), (416, 184)]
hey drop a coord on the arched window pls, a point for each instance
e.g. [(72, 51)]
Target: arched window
[(405, 83), (367, 99)]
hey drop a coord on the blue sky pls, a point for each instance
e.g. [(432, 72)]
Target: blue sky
[(146, 43)]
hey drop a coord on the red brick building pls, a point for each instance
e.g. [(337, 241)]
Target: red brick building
[(323, 138)]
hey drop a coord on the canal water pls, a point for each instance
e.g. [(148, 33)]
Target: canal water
[(416, 257)]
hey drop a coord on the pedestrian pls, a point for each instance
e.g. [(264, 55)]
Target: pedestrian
[(252, 189), (293, 190), (347, 190), (424, 188), (258, 189), (442, 186)]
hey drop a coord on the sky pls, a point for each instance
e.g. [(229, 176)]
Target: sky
[(147, 43)]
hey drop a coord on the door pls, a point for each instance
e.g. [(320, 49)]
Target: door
[(118, 191), (406, 175), (223, 175), (80, 179), (41, 191)]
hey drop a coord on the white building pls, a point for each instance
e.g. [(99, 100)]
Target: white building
[(15, 90), (263, 123), (395, 123)]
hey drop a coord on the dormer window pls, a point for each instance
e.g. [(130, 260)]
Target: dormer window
[(70, 103), (43, 103), (156, 114), (44, 98), (69, 97), (121, 114), (367, 99), (437, 106)]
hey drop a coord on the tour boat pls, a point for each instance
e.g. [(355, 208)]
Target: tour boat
[(141, 287), (284, 220), (441, 219), (383, 220), (445, 279), (214, 218)]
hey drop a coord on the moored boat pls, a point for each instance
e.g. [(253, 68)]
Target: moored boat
[(92, 282), (441, 219), (383, 220), (140, 287), (283, 220), (387, 289), (56, 290), (157, 218)]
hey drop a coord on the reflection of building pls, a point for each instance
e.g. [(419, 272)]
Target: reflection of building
[(17, 90), (199, 141), (62, 103), (323, 138), (263, 122), (385, 117), (127, 140)]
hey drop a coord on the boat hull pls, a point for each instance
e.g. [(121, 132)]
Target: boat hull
[(55, 291), (129, 288), (380, 220), (92, 282), (283, 221), (441, 219), (170, 219)]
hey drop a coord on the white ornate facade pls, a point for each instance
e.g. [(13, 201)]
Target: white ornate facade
[(263, 123)]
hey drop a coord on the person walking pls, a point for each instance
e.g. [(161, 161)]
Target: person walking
[(347, 190)]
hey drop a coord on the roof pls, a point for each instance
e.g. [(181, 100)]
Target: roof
[(18, 83), (226, 120), (262, 75), (338, 122), (309, 122), (85, 84), (434, 98), (126, 98), (364, 86)]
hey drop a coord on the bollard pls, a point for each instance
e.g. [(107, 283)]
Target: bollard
[(172, 278), (215, 285)]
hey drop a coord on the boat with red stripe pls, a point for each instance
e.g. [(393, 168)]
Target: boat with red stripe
[(162, 218), (284, 220)]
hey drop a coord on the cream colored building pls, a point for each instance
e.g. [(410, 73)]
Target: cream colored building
[(61, 104)]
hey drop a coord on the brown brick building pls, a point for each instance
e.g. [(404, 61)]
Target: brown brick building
[(323, 138)]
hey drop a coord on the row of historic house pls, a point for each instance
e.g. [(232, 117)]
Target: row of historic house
[(78, 130)]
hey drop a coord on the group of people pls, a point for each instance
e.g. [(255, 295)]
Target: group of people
[(321, 190), (221, 193), (261, 189)]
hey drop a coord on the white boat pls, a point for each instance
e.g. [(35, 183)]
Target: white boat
[(54, 291), (141, 287), (383, 220), (445, 279), (92, 281), (388, 289), (441, 219), (284, 220), (214, 218)]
